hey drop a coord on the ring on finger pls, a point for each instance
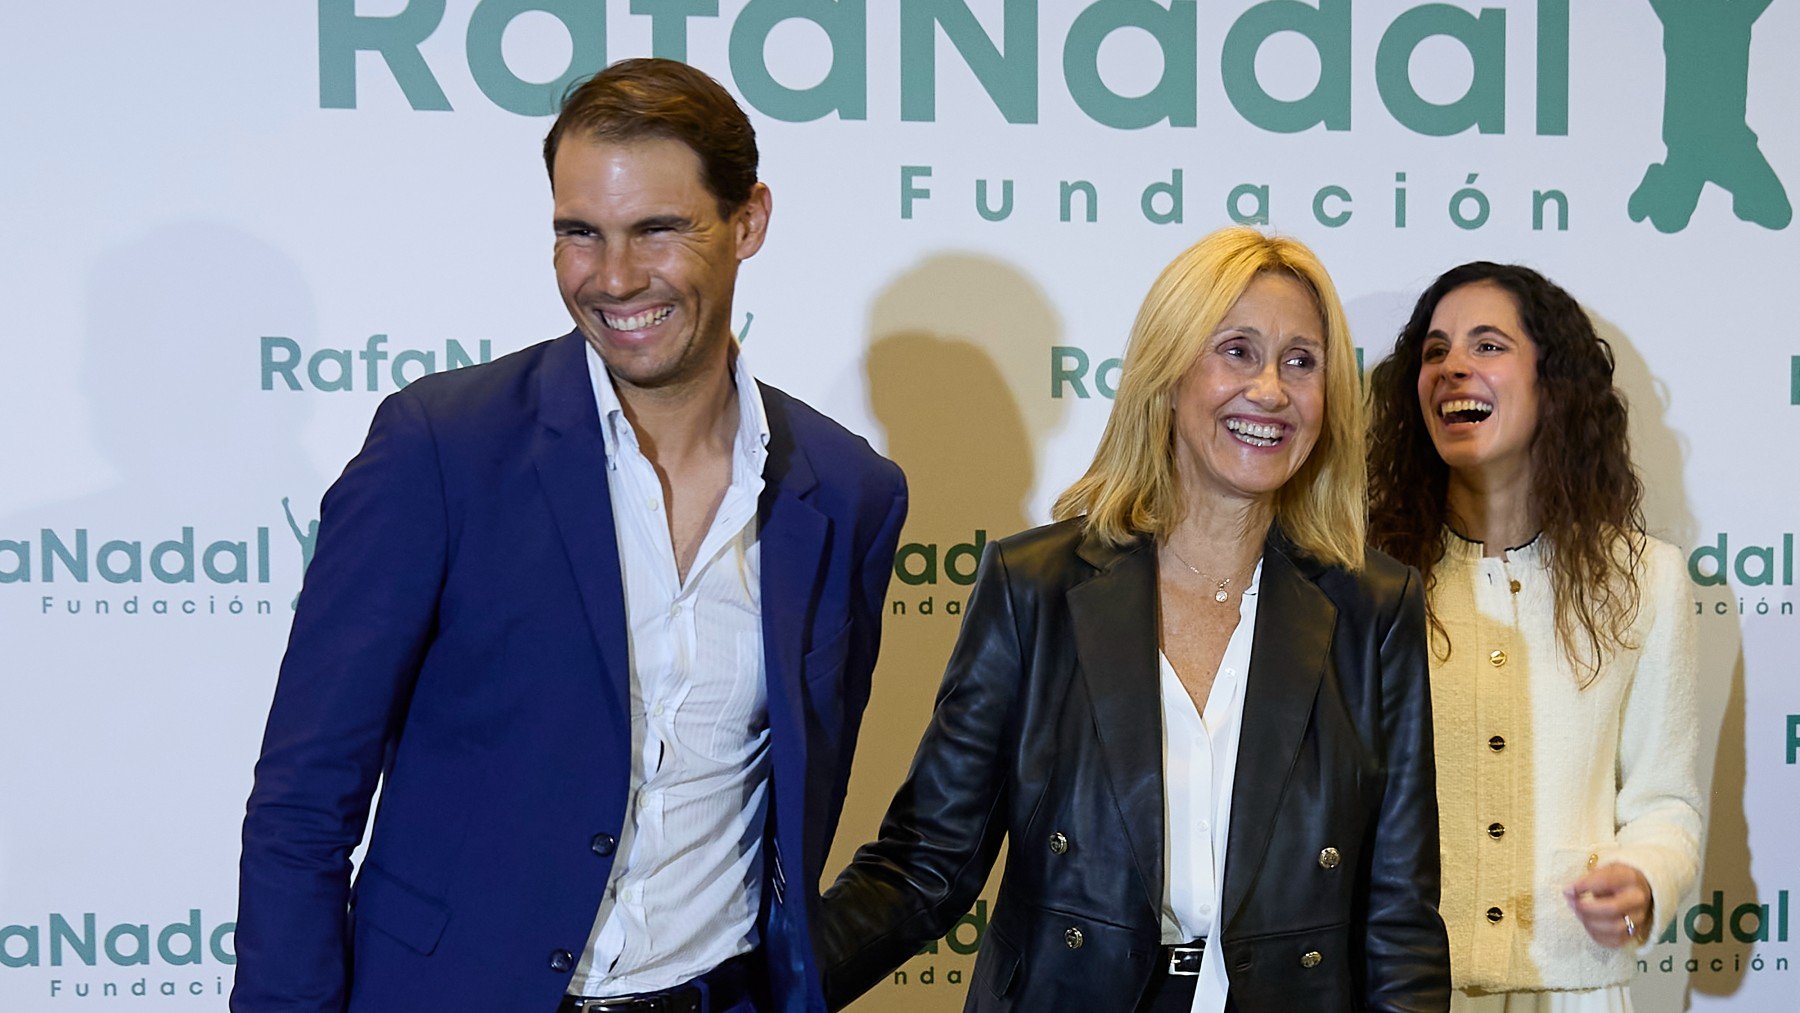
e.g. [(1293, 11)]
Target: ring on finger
[(1630, 927)]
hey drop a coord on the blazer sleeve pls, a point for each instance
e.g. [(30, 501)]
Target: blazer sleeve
[(1406, 952), (943, 829), (364, 619), (1658, 806)]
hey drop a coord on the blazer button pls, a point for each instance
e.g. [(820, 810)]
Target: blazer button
[(1496, 830), (1073, 938), (1310, 959), (1495, 914), (1497, 743), (1059, 845), (1496, 658), (604, 844), (1328, 859), (561, 961)]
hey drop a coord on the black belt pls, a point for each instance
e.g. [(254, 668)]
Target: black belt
[(721, 988), (1184, 958)]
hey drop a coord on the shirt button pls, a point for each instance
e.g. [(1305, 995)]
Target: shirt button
[(1059, 844), (1310, 959), (650, 504), (1496, 743), (1496, 658), (1496, 830), (561, 961), (1072, 938), (1495, 914), (675, 609), (604, 844), (1329, 858), (1203, 827), (657, 712)]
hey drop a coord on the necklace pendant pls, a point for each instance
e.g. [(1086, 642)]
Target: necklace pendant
[(1220, 596)]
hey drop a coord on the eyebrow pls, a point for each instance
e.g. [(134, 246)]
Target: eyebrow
[(1478, 329), (1257, 332), (669, 221)]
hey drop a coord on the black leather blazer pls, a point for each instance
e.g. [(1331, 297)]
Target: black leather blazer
[(1048, 733)]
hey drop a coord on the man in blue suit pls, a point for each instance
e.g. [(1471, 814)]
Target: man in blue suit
[(599, 618)]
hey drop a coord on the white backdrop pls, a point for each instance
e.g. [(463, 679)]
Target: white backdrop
[(227, 230)]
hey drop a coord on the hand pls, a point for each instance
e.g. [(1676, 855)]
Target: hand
[(1605, 897)]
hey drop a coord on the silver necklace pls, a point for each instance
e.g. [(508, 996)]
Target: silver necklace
[(1219, 594)]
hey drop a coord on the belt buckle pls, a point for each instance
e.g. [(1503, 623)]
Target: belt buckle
[(636, 1004), (1185, 960)]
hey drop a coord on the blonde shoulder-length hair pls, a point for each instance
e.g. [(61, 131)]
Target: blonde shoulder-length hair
[(1130, 489)]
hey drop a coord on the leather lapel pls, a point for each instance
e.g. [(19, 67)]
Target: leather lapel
[(570, 457), (1292, 640), (1114, 618)]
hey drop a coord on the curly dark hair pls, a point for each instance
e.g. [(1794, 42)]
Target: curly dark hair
[(1585, 494)]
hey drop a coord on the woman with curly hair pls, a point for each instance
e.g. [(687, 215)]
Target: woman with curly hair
[(1562, 668)]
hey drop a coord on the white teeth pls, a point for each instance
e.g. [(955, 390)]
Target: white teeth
[(1449, 408), (638, 321), (1257, 434)]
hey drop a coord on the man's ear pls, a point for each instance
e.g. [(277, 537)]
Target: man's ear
[(751, 222)]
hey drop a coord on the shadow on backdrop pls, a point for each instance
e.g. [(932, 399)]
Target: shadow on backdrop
[(170, 390), (1661, 455), (956, 358)]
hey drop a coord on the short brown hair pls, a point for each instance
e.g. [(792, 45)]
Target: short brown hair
[(650, 97)]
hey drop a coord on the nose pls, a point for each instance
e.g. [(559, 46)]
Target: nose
[(619, 273), (1266, 388), (1456, 363)]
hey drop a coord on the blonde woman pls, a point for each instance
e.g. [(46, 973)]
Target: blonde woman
[(1195, 708)]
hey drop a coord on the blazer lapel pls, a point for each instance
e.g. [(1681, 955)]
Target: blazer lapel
[(570, 457), (791, 534), (1294, 624), (1115, 619)]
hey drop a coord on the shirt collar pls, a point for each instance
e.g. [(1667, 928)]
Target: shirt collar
[(753, 418)]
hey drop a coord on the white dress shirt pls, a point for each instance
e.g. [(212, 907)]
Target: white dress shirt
[(686, 883), (1199, 766)]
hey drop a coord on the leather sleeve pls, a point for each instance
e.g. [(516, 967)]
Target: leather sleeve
[(364, 620), (1406, 952), (944, 826)]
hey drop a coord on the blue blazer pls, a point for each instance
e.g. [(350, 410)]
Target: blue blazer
[(461, 639)]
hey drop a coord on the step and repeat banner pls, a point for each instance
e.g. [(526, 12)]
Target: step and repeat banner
[(230, 229)]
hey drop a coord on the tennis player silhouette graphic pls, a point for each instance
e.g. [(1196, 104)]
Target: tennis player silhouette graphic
[(1707, 45)]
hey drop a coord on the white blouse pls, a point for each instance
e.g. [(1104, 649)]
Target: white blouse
[(1200, 753)]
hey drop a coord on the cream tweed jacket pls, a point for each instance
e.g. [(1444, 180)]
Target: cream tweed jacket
[(1540, 779)]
